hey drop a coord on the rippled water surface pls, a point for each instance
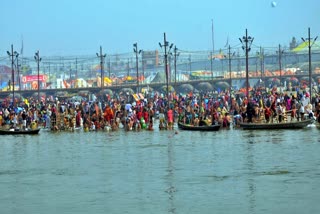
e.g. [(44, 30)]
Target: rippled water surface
[(230, 171)]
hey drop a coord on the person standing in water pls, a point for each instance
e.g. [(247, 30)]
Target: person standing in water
[(170, 118)]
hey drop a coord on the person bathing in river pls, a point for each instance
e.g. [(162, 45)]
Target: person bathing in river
[(226, 120), (162, 122), (214, 115), (243, 111), (195, 117), (250, 111), (267, 114), (280, 112), (170, 117)]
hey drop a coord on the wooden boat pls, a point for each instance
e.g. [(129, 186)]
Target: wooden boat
[(199, 128), (285, 125), (19, 131)]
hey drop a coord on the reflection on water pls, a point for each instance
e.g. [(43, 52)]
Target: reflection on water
[(230, 171), (171, 189)]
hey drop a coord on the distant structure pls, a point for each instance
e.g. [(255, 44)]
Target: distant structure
[(150, 58)]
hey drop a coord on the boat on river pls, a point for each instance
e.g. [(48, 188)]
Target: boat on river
[(189, 127), (284, 125), (19, 131)]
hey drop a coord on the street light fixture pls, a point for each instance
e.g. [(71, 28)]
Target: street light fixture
[(280, 52), (176, 54), (310, 69), (135, 50), (260, 54), (246, 46), (230, 56), (18, 69), (13, 55), (166, 52), (38, 59), (102, 56)]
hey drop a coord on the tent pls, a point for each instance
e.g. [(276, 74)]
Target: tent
[(127, 90), (204, 86), (185, 88), (304, 47), (222, 85)]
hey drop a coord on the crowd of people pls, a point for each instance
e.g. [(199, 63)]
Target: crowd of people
[(115, 112)]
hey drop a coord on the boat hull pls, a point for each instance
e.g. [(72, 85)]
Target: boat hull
[(267, 126), (19, 132), (198, 128)]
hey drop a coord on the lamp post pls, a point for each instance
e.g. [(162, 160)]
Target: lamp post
[(310, 69), (176, 54), (280, 52), (102, 56), (246, 45), (18, 69), (230, 55), (143, 62), (211, 65), (229, 58), (135, 50), (13, 55), (76, 74), (166, 45), (109, 67), (38, 59), (189, 59), (261, 56)]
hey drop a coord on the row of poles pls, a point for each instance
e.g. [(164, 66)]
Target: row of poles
[(167, 51), (14, 57), (246, 42)]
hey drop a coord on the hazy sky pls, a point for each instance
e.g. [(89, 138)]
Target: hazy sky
[(72, 27)]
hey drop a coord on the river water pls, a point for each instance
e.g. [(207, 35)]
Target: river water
[(230, 171)]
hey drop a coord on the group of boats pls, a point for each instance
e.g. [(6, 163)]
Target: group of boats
[(250, 126), (204, 126)]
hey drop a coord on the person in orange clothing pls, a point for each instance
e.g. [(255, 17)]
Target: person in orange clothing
[(1, 118), (108, 114)]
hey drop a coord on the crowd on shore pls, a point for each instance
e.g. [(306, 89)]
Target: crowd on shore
[(115, 112)]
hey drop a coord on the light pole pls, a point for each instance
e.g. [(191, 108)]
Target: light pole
[(102, 56), (280, 52), (176, 54), (135, 50), (12, 54), (18, 68), (38, 59), (229, 58), (310, 69), (248, 41), (189, 63), (109, 67), (166, 45), (211, 65), (261, 56), (143, 62), (76, 74)]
